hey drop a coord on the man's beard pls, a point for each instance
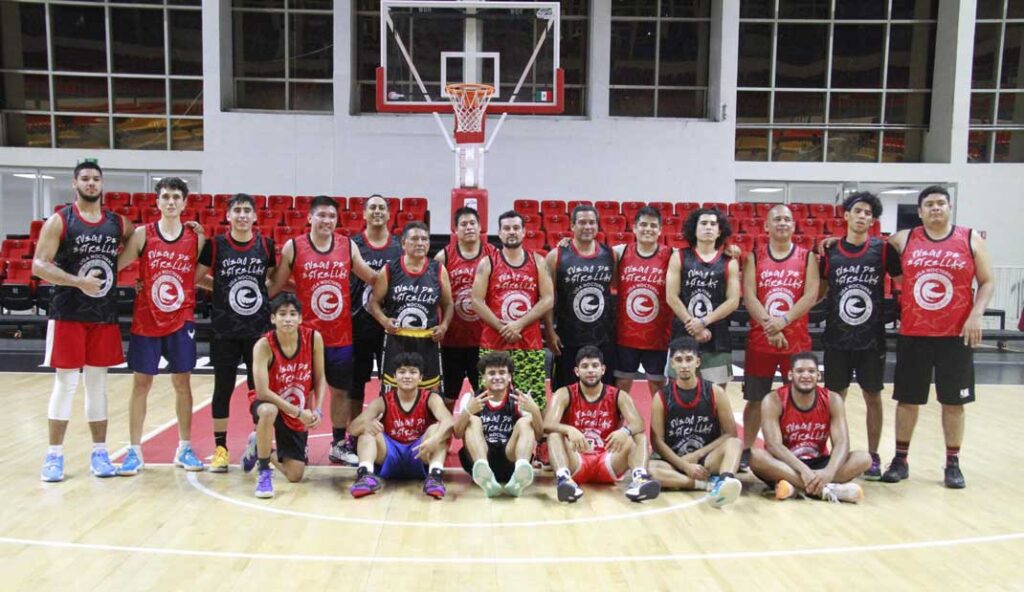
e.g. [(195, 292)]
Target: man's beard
[(590, 383), (511, 243), (797, 388), (89, 198)]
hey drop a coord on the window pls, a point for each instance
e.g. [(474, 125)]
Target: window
[(828, 80), (101, 75), (659, 58), (997, 87), (283, 55)]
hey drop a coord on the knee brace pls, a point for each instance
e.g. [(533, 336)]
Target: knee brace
[(95, 379), (65, 383)]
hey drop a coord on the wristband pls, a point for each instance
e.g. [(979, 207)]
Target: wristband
[(786, 318), (702, 322), (628, 431)]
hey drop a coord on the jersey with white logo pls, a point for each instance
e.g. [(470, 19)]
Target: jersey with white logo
[(691, 417), (498, 419), (805, 432), (466, 325), (937, 283), (291, 377), (167, 269), (584, 310), (406, 426), (703, 288), (512, 292), (855, 278), (363, 323), (322, 285), (413, 299), (643, 315), (241, 308), (597, 419), (780, 283), (84, 247)]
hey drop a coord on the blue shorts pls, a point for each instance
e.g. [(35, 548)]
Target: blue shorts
[(179, 348), (401, 461)]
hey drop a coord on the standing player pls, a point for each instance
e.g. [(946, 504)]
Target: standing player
[(322, 263), (288, 365), (460, 349), (853, 276), (693, 432), (703, 288), (77, 253), (500, 428), (780, 285), (595, 434), (799, 419), (240, 261), (940, 324), (511, 293), (412, 300), (582, 275), (163, 319), (403, 434)]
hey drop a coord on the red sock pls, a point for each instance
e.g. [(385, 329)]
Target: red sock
[(902, 449), (952, 455)]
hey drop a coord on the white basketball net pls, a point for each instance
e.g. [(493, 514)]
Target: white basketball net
[(469, 101)]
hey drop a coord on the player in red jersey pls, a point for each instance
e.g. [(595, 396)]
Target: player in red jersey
[(288, 369), (403, 434), (595, 434), (940, 324), (799, 420), (780, 285), (163, 319)]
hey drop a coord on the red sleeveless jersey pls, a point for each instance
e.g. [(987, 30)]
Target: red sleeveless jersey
[(512, 292), (466, 326), (167, 269), (644, 318), (322, 285), (292, 378), (805, 433), (596, 420), (937, 283), (406, 426), (780, 283)]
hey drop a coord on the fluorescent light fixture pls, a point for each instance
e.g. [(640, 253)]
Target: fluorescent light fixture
[(33, 176), (899, 191), (766, 190)]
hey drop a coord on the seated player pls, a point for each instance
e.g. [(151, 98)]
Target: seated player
[(693, 432), (798, 420), (402, 433), (500, 428), (595, 434), (288, 370)]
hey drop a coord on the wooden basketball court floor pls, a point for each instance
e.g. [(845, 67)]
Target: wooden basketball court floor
[(168, 530)]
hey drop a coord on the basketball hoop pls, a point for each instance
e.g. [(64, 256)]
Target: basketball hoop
[(469, 101)]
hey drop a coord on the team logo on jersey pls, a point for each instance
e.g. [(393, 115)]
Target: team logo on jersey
[(412, 317), (106, 274), (514, 307), (689, 445), (295, 395), (642, 305), (245, 297), (855, 307), (588, 305), (778, 303), (367, 292), (327, 302), (699, 306), (464, 306), (167, 293), (594, 439), (805, 451), (933, 291)]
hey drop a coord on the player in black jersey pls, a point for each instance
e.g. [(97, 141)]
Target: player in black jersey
[(693, 431), (500, 427), (240, 262)]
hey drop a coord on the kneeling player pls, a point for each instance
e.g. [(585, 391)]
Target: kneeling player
[(288, 370), (798, 420), (402, 433), (599, 425), (500, 428), (693, 431)]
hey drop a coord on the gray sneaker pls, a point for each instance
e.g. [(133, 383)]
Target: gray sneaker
[(343, 452)]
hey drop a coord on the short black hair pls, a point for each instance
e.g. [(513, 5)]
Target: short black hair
[(933, 189), (87, 165), (465, 211), (867, 197), (408, 360), (414, 225), (690, 226), (583, 208), (589, 351), (172, 184), (804, 355), (684, 343), (285, 299), (509, 214), (384, 199), (495, 359), (322, 200), (241, 198), (647, 211)]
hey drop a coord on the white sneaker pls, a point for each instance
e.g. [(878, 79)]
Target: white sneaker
[(842, 492)]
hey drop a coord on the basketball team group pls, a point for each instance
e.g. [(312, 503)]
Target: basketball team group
[(312, 318)]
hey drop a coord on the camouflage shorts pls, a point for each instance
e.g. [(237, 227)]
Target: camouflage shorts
[(529, 375)]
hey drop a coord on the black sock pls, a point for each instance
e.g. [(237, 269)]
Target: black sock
[(337, 434), (727, 476), (264, 464), (220, 439)]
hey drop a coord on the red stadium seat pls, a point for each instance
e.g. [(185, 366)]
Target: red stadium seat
[(672, 225), (619, 238), (16, 293), (220, 200), (554, 236), (534, 240), (741, 210), (683, 208), (529, 207), (744, 241), (270, 218), (117, 199), (199, 201), (800, 210), (532, 222), (279, 202), (211, 230), (189, 216), (721, 206), (807, 241), (302, 202), (353, 221), (552, 206), (811, 226), (401, 219), (357, 204), (149, 215), (629, 209), (676, 241), (144, 200), (297, 218), (34, 228), (752, 226), (607, 208), (210, 216), (613, 223), (761, 209), (394, 205), (14, 249), (835, 227), (556, 223), (283, 233), (824, 211), (417, 206), (578, 202), (876, 228)]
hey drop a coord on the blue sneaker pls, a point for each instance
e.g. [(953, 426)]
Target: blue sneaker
[(131, 465), (187, 460), (53, 468), (249, 456), (724, 490), (100, 465), (265, 484)]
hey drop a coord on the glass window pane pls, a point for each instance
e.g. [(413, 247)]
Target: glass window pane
[(447, 35), (140, 95), (186, 45), (751, 144), (24, 92), (575, 7), (23, 43), (801, 55), (857, 56), (799, 107), (682, 103), (186, 134), (862, 9), (367, 46), (310, 96), (915, 9), (852, 146), (140, 133), (138, 40), (982, 105), (755, 61), (575, 101), (187, 97), (803, 9), (978, 146), (1009, 146), (80, 93), (911, 56), (574, 51), (908, 108), (752, 107), (797, 145), (859, 108), (259, 95), (257, 3), (631, 102), (757, 9), (633, 52), (990, 9), (515, 40), (367, 97), (1014, 10), (902, 146), (1010, 74), (259, 45), (684, 54), (82, 132), (25, 131), (79, 38), (1011, 108), (986, 44), (686, 8), (185, 2), (311, 4), (634, 7), (312, 45)]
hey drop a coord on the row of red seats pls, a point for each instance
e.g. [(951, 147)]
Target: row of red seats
[(268, 218), (825, 226), (219, 201), (628, 209)]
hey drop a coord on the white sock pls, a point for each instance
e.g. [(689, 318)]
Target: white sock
[(639, 472), (99, 445), (563, 473), (366, 465), (482, 460), (701, 485), (523, 461), (183, 443), (58, 450), (138, 450)]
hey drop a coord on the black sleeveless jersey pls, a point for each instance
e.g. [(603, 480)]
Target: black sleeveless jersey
[(498, 422), (363, 323), (85, 247), (702, 289), (691, 418), (414, 300), (584, 311), (855, 276), (241, 307)]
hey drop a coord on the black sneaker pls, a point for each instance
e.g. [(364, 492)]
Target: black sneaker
[(745, 461), (954, 478), (898, 470), (567, 490)]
